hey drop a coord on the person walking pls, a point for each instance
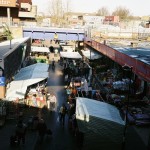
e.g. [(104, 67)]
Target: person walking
[(51, 102), (42, 129), (53, 64), (20, 132), (62, 113)]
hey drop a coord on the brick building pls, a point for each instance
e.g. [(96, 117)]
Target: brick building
[(16, 11), (111, 20)]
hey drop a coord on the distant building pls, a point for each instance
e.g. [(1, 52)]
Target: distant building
[(75, 20), (93, 21), (112, 20), (16, 12)]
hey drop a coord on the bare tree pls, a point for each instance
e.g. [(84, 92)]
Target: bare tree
[(57, 10), (67, 6), (122, 12), (67, 10), (103, 11)]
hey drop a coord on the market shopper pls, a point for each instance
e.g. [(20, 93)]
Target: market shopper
[(51, 102), (34, 101), (20, 132), (62, 113), (42, 129), (53, 64)]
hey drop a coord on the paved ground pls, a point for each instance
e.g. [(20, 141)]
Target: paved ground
[(62, 138)]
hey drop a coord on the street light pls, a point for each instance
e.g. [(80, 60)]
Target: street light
[(127, 69)]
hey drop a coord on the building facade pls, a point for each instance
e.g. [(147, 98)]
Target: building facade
[(93, 21), (112, 20), (15, 12)]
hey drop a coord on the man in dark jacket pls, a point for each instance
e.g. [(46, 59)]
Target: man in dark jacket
[(42, 128), (62, 112), (20, 132)]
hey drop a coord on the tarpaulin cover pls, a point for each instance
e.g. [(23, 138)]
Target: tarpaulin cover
[(27, 76)]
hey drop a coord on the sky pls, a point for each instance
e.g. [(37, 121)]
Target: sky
[(136, 7)]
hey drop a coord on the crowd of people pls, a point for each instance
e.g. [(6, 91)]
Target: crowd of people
[(35, 123)]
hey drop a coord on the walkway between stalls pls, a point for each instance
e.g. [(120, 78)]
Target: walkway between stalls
[(62, 138)]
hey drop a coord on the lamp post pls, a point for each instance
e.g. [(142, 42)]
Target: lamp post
[(78, 40), (128, 70)]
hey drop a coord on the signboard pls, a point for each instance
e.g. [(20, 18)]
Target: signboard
[(2, 81), (8, 3)]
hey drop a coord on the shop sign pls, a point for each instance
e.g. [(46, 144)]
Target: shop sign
[(6, 3), (2, 81)]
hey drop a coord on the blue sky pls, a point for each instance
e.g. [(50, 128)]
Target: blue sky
[(136, 7)]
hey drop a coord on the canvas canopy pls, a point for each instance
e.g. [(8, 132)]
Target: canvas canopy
[(40, 49), (26, 77), (68, 48), (101, 124), (73, 55), (91, 54)]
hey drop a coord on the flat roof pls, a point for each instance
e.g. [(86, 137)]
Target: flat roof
[(5, 46), (140, 52)]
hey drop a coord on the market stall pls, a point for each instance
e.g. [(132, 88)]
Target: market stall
[(67, 48), (36, 97), (41, 53), (91, 54), (71, 55), (100, 123), (26, 77)]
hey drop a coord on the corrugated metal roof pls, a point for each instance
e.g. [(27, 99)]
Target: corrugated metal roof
[(139, 53), (140, 49)]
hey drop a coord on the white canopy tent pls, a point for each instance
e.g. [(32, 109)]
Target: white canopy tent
[(73, 55), (27, 76), (90, 54), (101, 124), (68, 48), (39, 49)]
